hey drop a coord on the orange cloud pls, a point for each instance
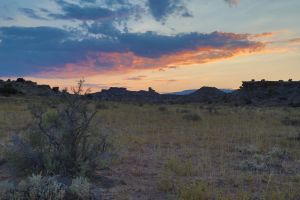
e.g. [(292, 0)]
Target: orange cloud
[(263, 35), (126, 62), (295, 41)]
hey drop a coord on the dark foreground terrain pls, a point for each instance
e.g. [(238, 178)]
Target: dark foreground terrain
[(206, 145), (191, 151)]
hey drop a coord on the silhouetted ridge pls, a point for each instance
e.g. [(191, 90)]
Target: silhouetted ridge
[(258, 93)]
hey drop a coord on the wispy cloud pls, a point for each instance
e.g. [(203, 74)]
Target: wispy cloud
[(160, 10), (136, 78), (31, 13)]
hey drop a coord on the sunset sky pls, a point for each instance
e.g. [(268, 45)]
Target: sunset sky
[(169, 45)]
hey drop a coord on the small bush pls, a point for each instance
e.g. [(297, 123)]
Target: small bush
[(80, 187), (34, 187), (271, 160), (37, 187), (192, 117), (166, 185), (179, 168)]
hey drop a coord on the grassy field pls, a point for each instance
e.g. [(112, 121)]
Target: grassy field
[(190, 152)]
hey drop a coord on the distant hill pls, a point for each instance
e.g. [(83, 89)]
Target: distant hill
[(205, 94), (187, 92), (184, 92)]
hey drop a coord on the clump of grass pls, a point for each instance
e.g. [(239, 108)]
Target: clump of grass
[(180, 168), (166, 185), (196, 191), (137, 172)]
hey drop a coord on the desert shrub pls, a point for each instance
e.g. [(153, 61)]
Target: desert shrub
[(192, 117), (37, 187), (34, 187), (271, 160), (59, 141), (196, 191), (166, 185), (255, 164), (80, 188), (180, 168), (162, 109)]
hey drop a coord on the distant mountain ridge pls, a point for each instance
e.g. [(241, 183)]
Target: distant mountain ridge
[(187, 92), (269, 93)]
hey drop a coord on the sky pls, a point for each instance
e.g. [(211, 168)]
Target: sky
[(169, 45)]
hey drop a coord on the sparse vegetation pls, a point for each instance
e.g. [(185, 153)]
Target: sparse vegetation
[(234, 153), (195, 191)]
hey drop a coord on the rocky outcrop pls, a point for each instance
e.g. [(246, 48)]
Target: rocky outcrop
[(122, 94), (25, 87), (267, 93)]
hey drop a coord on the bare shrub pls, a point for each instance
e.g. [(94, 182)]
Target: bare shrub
[(61, 140)]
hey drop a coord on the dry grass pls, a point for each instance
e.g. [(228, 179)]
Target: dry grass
[(234, 152)]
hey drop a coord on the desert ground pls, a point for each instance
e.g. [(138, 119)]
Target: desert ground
[(186, 151)]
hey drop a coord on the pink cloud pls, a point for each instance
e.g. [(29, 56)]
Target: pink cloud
[(116, 62)]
